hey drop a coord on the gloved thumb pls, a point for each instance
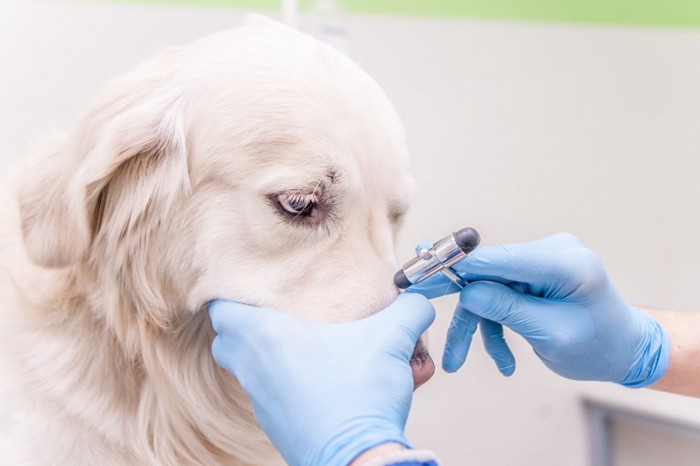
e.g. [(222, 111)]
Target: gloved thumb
[(237, 320), (499, 303), (410, 314), (231, 318), (233, 323)]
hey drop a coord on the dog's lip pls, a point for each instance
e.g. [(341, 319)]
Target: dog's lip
[(422, 364)]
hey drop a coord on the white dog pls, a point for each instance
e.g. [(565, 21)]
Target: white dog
[(256, 165)]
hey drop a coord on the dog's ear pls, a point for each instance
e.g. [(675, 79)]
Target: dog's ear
[(127, 154)]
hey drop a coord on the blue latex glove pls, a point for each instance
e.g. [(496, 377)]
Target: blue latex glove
[(323, 393), (556, 294)]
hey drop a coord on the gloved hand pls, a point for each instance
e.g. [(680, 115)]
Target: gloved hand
[(556, 294), (323, 393)]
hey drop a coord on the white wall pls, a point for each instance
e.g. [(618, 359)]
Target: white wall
[(517, 129)]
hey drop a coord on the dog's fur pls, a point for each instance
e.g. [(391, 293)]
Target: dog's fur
[(163, 197)]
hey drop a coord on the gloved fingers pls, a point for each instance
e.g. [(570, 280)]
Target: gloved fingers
[(518, 287), (225, 313), (499, 303), (409, 315), (434, 287), (496, 346), (224, 353), (459, 338), (535, 263), (236, 319), (439, 285)]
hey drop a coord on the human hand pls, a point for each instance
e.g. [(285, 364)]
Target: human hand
[(556, 294), (323, 393)]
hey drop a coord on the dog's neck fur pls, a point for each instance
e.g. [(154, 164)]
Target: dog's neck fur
[(151, 398)]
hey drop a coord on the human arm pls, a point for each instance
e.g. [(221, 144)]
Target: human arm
[(324, 393), (554, 292), (683, 374)]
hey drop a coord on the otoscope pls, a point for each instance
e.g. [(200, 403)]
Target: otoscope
[(439, 258)]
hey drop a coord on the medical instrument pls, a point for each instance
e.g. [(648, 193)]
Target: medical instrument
[(568, 310), (439, 258)]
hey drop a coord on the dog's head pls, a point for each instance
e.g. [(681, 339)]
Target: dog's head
[(257, 165)]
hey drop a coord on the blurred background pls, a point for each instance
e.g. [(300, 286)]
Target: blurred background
[(557, 115)]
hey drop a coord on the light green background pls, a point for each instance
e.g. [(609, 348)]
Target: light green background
[(676, 13)]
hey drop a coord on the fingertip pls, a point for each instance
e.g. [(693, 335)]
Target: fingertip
[(222, 306), (213, 305), (416, 297), (228, 316), (214, 309), (564, 239), (450, 362), (507, 371), (410, 314), (418, 304), (220, 311), (453, 358), (497, 347), (217, 350), (447, 363), (448, 367)]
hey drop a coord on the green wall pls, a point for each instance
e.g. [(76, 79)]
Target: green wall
[(674, 13)]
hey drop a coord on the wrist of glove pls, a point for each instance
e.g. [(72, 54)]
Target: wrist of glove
[(356, 437), (652, 353), (556, 294), (323, 393)]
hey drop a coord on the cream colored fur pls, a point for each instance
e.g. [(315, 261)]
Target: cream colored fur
[(161, 198)]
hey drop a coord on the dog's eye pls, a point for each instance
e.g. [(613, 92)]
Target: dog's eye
[(297, 205)]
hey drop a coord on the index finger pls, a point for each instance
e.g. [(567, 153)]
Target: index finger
[(533, 263)]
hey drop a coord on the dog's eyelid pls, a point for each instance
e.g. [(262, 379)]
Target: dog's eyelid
[(316, 185)]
